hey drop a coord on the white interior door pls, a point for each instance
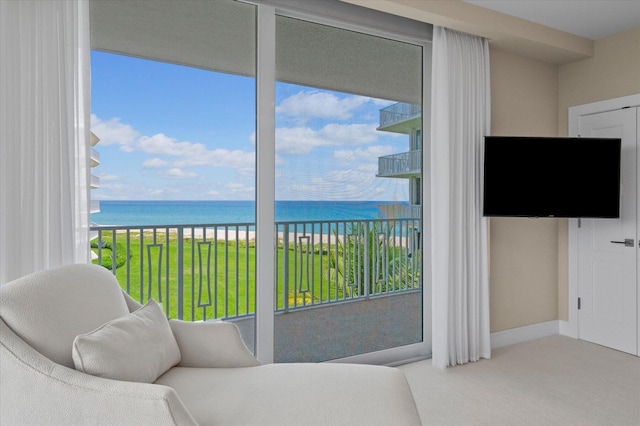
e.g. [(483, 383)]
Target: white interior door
[(607, 267)]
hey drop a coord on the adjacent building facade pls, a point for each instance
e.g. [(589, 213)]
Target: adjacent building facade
[(406, 119)]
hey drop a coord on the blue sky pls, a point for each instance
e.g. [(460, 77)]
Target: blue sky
[(170, 132)]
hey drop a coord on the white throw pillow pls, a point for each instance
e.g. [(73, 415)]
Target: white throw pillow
[(138, 347)]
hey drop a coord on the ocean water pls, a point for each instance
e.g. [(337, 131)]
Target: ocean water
[(148, 213)]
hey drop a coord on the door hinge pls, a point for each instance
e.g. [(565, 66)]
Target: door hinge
[(579, 303)]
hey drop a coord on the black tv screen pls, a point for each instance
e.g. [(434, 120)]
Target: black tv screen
[(551, 177)]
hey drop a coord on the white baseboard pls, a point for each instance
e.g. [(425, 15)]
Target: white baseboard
[(568, 329), (522, 334)]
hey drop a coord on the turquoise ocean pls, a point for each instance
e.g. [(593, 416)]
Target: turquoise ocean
[(149, 213)]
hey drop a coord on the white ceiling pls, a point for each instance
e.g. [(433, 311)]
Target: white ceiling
[(592, 19)]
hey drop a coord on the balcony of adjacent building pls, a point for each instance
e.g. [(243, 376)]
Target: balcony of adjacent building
[(402, 165), (95, 158), (94, 182), (94, 155), (94, 206), (400, 118)]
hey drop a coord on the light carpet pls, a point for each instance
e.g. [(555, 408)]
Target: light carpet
[(555, 380)]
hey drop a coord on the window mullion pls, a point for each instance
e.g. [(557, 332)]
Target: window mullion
[(265, 182)]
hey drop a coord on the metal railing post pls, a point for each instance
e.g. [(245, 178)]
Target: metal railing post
[(100, 247), (367, 272), (285, 261), (180, 272)]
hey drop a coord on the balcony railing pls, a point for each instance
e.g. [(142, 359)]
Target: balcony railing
[(94, 157), (94, 182), (200, 272), (94, 206), (398, 112), (401, 165)]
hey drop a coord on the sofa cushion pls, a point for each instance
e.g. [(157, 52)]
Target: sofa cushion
[(295, 394), (49, 309), (138, 347)]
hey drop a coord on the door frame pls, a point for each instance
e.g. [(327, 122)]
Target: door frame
[(570, 327)]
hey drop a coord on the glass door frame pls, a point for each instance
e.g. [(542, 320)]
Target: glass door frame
[(265, 189)]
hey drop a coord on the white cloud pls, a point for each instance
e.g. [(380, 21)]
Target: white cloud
[(142, 191), (350, 134), (108, 178), (302, 140), (239, 188), (196, 154), (164, 145), (354, 144), (354, 184), (156, 194), (176, 173), (154, 163), (113, 132), (361, 175), (372, 153), (188, 154), (315, 104), (112, 186), (201, 156), (298, 140)]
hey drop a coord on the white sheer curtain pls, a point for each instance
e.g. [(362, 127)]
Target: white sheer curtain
[(44, 135), (460, 119)]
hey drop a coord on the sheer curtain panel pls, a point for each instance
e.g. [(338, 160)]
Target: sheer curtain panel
[(44, 135), (460, 120)]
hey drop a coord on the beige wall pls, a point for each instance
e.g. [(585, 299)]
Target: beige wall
[(524, 96), (524, 252), (612, 72), (529, 257)]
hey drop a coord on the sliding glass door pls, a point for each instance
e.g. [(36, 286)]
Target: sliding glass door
[(295, 151), (348, 213)]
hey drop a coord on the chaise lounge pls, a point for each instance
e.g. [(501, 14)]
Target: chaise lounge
[(75, 349)]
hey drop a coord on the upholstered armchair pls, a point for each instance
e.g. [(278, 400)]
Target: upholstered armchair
[(75, 349)]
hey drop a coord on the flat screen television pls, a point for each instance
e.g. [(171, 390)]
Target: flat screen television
[(551, 177)]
